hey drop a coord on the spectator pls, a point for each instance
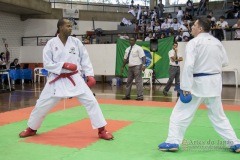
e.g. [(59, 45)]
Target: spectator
[(185, 28), (175, 26), (15, 64), (157, 29), (212, 17), (189, 7), (124, 36), (3, 66), (213, 25), (174, 70), (160, 8), (162, 35), (220, 32), (236, 6), (3, 61), (165, 27), (187, 16), (169, 18), (202, 7), (179, 15), (149, 28), (149, 37), (237, 30)]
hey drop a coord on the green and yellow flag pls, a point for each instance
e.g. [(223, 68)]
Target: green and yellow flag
[(161, 59)]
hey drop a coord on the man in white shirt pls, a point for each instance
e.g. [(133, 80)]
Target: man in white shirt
[(201, 77), (175, 26), (174, 69), (136, 60), (221, 25)]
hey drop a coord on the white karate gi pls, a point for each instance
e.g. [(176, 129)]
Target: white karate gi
[(55, 54), (204, 54)]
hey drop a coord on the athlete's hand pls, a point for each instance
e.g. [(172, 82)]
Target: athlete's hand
[(70, 66), (90, 81)]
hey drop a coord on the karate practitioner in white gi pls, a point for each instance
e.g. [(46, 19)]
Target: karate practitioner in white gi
[(65, 57), (201, 77)]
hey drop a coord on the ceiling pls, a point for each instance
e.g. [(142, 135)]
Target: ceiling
[(16, 9)]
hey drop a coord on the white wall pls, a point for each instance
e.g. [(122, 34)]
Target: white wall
[(11, 28), (103, 57)]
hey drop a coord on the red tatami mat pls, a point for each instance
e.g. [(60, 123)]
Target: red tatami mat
[(76, 135)]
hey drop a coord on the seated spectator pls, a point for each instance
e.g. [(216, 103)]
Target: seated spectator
[(149, 37), (142, 29), (141, 22), (124, 36), (15, 64), (140, 37), (213, 19), (185, 28), (157, 28), (189, 7), (202, 7), (175, 26), (187, 16), (149, 28), (165, 27), (179, 15), (237, 31), (87, 40), (220, 32), (213, 25), (169, 18), (162, 35)]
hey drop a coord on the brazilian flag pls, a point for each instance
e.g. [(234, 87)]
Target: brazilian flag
[(161, 59)]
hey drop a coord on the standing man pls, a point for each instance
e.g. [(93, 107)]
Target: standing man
[(65, 57), (174, 69), (136, 60), (205, 57)]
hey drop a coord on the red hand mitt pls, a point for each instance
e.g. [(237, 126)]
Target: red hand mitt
[(90, 81), (70, 66)]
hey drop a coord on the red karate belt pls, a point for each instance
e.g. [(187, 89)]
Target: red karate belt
[(65, 75)]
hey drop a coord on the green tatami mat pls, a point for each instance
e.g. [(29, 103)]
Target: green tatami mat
[(137, 141)]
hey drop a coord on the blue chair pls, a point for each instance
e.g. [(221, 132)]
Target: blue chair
[(44, 74)]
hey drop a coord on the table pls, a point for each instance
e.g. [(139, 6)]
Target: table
[(5, 73), (23, 74)]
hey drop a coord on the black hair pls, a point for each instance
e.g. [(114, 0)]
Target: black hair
[(60, 22), (205, 24)]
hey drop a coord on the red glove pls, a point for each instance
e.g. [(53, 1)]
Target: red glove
[(70, 66), (90, 81)]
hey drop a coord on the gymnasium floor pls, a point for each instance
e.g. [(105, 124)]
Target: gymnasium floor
[(138, 127)]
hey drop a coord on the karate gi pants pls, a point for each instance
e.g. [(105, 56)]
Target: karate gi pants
[(183, 114), (45, 103)]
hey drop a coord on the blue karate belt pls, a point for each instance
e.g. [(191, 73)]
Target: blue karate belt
[(203, 74)]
